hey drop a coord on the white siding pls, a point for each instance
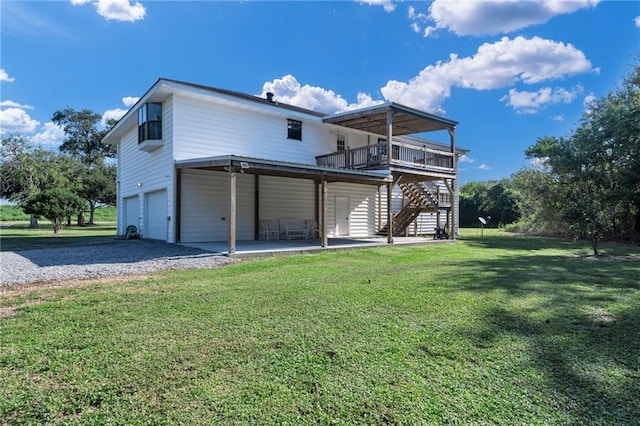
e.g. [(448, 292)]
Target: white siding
[(287, 198), (362, 208), (208, 129), (204, 209), (141, 172)]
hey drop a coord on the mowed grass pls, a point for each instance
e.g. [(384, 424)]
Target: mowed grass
[(503, 329)]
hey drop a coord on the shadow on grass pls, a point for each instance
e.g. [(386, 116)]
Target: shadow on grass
[(21, 237), (579, 316)]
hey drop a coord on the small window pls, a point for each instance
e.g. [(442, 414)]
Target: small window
[(294, 129), (150, 122), (341, 142)]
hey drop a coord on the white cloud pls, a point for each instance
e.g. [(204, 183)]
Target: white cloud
[(16, 120), (52, 135), (4, 76), (115, 114), (531, 102), (118, 113), (118, 10), (130, 100), (288, 90), (558, 117), (466, 159), (489, 17), (483, 167), (388, 5), (495, 65), (13, 104), (637, 21)]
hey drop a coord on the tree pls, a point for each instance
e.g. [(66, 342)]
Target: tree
[(83, 139), (98, 186), (55, 205), (537, 195), (594, 170), (493, 198), (25, 171)]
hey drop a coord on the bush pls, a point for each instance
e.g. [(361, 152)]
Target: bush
[(56, 205)]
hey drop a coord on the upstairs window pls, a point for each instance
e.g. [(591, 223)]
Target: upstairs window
[(294, 129), (150, 122), (341, 142)]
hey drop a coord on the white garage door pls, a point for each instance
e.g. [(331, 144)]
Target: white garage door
[(131, 212), (156, 215)]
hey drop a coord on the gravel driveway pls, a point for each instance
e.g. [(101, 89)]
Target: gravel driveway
[(108, 259)]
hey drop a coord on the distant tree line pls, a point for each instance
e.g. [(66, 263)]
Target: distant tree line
[(57, 185), (586, 184)]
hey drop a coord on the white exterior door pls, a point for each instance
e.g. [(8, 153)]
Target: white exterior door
[(156, 215), (131, 213), (342, 216)]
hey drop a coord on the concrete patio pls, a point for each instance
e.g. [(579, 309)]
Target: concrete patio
[(259, 248)]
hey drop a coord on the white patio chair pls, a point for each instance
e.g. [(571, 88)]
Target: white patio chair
[(269, 228)]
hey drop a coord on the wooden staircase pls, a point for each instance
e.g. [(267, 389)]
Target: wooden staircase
[(421, 199)]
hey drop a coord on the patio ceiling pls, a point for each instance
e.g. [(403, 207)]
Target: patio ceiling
[(406, 120), (284, 169)]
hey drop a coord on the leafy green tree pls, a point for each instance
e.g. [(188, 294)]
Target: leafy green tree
[(484, 199), (54, 204), (537, 195), (83, 139), (594, 170), (98, 186), (26, 171)]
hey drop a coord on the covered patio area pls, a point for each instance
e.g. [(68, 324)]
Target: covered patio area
[(259, 248)]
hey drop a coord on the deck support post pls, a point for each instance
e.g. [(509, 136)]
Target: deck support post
[(256, 207), (178, 206), (232, 209), (454, 166), (390, 115), (389, 213), (323, 212), (379, 208), (389, 184)]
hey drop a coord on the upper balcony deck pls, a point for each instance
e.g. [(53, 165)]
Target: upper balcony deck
[(403, 155)]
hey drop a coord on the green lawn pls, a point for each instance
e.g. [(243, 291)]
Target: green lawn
[(503, 329), (20, 237)]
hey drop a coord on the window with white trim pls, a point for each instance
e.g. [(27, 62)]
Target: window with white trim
[(341, 142)]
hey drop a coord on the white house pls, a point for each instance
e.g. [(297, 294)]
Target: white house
[(198, 163)]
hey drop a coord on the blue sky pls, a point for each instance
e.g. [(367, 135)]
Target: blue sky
[(508, 71)]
